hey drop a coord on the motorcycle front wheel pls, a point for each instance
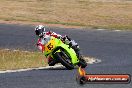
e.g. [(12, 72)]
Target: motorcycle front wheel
[(65, 60), (82, 63)]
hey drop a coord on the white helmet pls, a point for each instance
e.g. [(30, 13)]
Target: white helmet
[(40, 30)]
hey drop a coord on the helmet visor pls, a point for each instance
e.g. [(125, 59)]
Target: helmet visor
[(37, 32)]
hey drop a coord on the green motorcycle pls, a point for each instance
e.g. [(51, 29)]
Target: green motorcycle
[(62, 53)]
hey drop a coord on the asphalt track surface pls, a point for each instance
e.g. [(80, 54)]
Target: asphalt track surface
[(113, 48)]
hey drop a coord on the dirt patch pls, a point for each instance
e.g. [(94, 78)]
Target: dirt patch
[(16, 59), (38, 23), (77, 13)]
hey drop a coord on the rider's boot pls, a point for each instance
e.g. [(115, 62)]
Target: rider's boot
[(73, 45), (51, 61)]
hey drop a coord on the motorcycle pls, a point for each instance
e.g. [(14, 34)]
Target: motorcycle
[(62, 53)]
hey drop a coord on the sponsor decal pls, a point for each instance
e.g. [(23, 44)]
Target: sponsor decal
[(83, 78)]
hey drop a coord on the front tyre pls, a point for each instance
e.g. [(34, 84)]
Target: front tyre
[(65, 60), (82, 63)]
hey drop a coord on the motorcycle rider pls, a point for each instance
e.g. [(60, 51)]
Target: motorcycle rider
[(43, 35)]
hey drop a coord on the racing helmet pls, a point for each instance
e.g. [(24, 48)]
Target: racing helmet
[(40, 30)]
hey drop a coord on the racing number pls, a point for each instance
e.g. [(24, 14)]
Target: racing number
[(50, 46)]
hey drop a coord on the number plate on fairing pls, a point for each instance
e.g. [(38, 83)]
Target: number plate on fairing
[(50, 45)]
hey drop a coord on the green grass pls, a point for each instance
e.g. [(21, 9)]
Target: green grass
[(19, 59)]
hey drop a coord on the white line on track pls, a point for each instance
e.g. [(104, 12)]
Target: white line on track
[(92, 60), (15, 50), (106, 29), (117, 30), (6, 49), (29, 69), (101, 29)]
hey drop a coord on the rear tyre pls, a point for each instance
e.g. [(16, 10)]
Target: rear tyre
[(65, 60)]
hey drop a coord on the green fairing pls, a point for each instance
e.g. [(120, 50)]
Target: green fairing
[(70, 51)]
